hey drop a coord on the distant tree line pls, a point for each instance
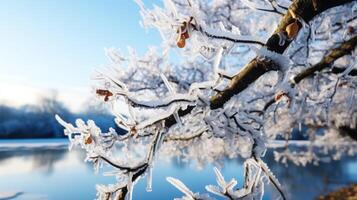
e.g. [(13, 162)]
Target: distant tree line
[(38, 121)]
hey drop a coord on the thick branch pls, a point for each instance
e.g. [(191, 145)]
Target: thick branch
[(242, 80), (303, 9), (181, 112), (337, 70), (344, 49)]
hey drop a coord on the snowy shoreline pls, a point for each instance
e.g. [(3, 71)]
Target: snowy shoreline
[(31, 144)]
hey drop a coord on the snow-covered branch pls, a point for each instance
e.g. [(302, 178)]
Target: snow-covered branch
[(220, 96)]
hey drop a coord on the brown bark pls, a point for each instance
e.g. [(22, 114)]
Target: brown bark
[(344, 49), (255, 68), (303, 9)]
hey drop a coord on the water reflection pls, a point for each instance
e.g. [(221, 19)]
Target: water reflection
[(311, 181), (54, 173), (41, 159)]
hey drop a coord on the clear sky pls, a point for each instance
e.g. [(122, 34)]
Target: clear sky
[(57, 44)]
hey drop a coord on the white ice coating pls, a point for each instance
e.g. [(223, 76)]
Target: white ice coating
[(161, 90)]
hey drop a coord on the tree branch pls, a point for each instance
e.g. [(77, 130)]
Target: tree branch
[(301, 9), (225, 36), (344, 49)]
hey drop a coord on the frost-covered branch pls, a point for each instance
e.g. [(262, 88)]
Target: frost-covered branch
[(278, 42), (255, 173), (224, 35), (221, 96), (275, 7), (344, 49)]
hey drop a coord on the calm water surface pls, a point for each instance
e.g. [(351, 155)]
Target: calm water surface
[(45, 169)]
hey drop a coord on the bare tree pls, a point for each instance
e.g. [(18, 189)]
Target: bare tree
[(250, 72)]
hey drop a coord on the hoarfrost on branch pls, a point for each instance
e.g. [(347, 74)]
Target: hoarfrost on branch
[(275, 70)]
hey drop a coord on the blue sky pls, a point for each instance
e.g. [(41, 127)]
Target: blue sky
[(56, 44)]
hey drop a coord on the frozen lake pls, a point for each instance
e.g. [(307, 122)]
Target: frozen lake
[(45, 169)]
